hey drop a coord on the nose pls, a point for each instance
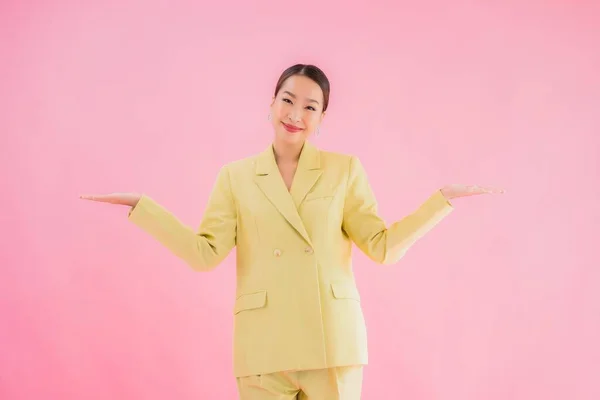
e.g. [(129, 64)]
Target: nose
[(294, 115)]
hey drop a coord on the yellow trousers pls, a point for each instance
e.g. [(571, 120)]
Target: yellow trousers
[(342, 383)]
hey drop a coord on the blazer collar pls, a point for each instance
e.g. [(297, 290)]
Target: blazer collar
[(310, 159), (269, 180)]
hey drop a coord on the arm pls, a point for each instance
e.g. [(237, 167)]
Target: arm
[(204, 249), (382, 244)]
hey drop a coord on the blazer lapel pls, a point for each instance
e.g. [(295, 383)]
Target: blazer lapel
[(307, 174), (269, 180)]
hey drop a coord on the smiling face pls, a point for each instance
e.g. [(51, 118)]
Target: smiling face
[(297, 110)]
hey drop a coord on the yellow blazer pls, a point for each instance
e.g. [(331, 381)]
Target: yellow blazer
[(297, 305)]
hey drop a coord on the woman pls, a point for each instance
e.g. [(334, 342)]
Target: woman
[(293, 212)]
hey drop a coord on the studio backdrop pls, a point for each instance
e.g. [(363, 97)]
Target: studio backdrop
[(500, 301)]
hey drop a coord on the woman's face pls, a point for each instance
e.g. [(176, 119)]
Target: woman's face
[(297, 110)]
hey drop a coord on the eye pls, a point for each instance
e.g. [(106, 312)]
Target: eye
[(311, 108), (287, 100)]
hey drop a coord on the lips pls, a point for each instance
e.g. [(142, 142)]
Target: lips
[(291, 128)]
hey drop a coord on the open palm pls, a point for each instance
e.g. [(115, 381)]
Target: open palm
[(126, 199), (455, 190)]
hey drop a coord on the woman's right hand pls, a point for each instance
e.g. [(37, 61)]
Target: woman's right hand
[(126, 199)]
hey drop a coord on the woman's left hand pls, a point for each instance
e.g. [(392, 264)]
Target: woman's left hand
[(455, 190)]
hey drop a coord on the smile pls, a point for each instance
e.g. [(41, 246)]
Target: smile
[(291, 128)]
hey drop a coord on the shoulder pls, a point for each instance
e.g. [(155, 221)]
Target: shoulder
[(347, 161), (243, 169), (241, 165), (336, 157)]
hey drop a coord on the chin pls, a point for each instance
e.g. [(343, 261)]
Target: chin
[(286, 137)]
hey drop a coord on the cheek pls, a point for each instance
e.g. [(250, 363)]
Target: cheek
[(312, 120), (280, 108)]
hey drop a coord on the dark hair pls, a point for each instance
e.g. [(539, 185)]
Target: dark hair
[(310, 71)]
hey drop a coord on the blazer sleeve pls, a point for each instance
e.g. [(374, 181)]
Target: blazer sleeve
[(382, 244), (205, 248)]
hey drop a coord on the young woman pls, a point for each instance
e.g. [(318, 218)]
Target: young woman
[(293, 212)]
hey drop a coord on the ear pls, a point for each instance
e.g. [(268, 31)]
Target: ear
[(272, 101)]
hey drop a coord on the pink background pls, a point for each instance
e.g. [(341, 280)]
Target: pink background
[(500, 301)]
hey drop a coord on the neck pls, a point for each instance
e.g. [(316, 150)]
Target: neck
[(287, 153)]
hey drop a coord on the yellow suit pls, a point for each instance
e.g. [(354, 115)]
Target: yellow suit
[(297, 305)]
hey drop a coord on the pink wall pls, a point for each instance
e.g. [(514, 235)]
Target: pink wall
[(499, 302)]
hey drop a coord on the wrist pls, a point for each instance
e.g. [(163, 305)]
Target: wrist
[(446, 193)]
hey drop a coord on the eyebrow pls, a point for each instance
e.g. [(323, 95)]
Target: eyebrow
[(294, 96)]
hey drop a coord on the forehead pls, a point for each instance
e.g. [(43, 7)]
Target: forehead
[(303, 87)]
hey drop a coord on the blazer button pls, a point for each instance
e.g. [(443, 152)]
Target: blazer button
[(277, 252), (308, 250)]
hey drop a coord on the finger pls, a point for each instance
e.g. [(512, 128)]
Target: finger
[(486, 189), (493, 190), (96, 197)]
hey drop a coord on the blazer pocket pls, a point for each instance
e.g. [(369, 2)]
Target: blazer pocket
[(319, 196), (250, 301), (345, 290)]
